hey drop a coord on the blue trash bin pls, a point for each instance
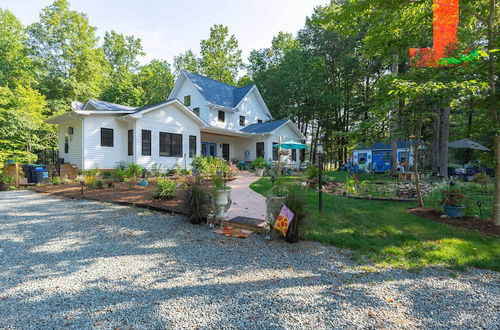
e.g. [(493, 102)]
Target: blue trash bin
[(41, 175)]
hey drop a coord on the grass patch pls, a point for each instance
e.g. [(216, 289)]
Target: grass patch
[(388, 236)]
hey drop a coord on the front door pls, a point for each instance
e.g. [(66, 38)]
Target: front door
[(260, 149), (225, 151), (209, 149)]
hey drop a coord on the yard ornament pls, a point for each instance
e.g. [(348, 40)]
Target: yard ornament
[(283, 220)]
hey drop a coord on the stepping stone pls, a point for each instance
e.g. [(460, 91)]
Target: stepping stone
[(248, 223)]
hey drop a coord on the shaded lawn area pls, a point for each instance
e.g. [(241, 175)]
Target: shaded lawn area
[(369, 177), (386, 234)]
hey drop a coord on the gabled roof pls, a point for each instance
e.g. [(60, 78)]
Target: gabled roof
[(402, 144), (217, 92), (105, 106), (265, 127)]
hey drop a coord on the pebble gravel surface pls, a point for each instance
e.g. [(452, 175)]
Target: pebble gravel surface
[(82, 264)]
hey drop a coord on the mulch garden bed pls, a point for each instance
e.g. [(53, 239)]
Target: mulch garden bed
[(470, 223), (122, 193)]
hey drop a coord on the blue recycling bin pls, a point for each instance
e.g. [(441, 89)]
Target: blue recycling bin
[(41, 175)]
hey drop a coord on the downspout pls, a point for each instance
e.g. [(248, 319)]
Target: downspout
[(83, 143)]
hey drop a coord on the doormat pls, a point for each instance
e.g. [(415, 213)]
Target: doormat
[(234, 232)]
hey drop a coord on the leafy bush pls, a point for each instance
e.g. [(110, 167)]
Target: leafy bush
[(209, 166), (107, 174), (295, 201), (259, 162), (56, 180), (156, 170), (94, 172), (5, 178), (119, 175), (452, 197), (196, 202), (90, 181), (99, 184), (220, 182), (134, 171), (312, 172), (165, 188)]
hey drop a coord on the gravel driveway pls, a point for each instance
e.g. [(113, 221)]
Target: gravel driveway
[(80, 264)]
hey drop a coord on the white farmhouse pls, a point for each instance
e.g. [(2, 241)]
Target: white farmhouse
[(201, 117)]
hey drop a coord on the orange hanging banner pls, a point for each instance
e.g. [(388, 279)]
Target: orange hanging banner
[(445, 24)]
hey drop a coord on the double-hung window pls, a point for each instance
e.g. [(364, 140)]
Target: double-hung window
[(222, 116), (130, 142), (107, 137), (242, 120), (170, 145), (146, 143), (192, 146), (187, 100)]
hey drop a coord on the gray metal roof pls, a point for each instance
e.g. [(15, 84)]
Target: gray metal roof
[(402, 144), (146, 107), (108, 106), (266, 127), (217, 92)]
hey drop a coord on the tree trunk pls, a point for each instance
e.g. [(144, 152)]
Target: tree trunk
[(436, 141), (445, 135), (415, 165), (394, 121)]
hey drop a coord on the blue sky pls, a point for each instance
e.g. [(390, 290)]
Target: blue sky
[(168, 27)]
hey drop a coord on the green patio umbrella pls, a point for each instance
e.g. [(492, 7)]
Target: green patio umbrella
[(291, 145)]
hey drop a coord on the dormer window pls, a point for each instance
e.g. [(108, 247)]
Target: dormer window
[(242, 120), (197, 111), (187, 100), (259, 121), (222, 117)]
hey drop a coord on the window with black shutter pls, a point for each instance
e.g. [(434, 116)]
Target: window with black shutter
[(222, 116), (170, 145), (146, 143), (192, 146), (130, 142), (66, 144), (106, 137)]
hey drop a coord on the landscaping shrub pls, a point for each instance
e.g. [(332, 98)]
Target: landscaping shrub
[(259, 162), (209, 166), (197, 202), (119, 175), (56, 180), (156, 170), (296, 202), (107, 174), (134, 171), (90, 181), (165, 188), (94, 172), (312, 172), (99, 184)]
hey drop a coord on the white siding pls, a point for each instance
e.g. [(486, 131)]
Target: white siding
[(74, 156), (168, 119), (97, 156), (197, 101)]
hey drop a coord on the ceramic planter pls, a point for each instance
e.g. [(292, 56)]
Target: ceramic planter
[(259, 171), (222, 201), (454, 211)]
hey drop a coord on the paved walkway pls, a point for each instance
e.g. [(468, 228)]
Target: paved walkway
[(246, 202)]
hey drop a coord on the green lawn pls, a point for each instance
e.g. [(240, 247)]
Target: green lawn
[(384, 233)]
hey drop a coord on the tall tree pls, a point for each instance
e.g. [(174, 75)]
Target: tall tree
[(69, 62), (156, 80), (122, 54), (186, 61), (220, 56)]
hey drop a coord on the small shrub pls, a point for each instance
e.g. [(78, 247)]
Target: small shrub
[(259, 162), (312, 172), (156, 170), (107, 174), (453, 197), (119, 175), (90, 181), (56, 180), (165, 188), (209, 166), (134, 171), (196, 202), (220, 182), (94, 172), (185, 172), (99, 184)]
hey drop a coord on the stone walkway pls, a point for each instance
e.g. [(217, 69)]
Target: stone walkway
[(246, 202)]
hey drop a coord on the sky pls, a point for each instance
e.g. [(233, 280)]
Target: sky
[(168, 28)]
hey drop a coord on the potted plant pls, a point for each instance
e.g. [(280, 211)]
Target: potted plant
[(5, 182), (274, 201), (222, 192), (452, 203), (196, 201), (260, 165)]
